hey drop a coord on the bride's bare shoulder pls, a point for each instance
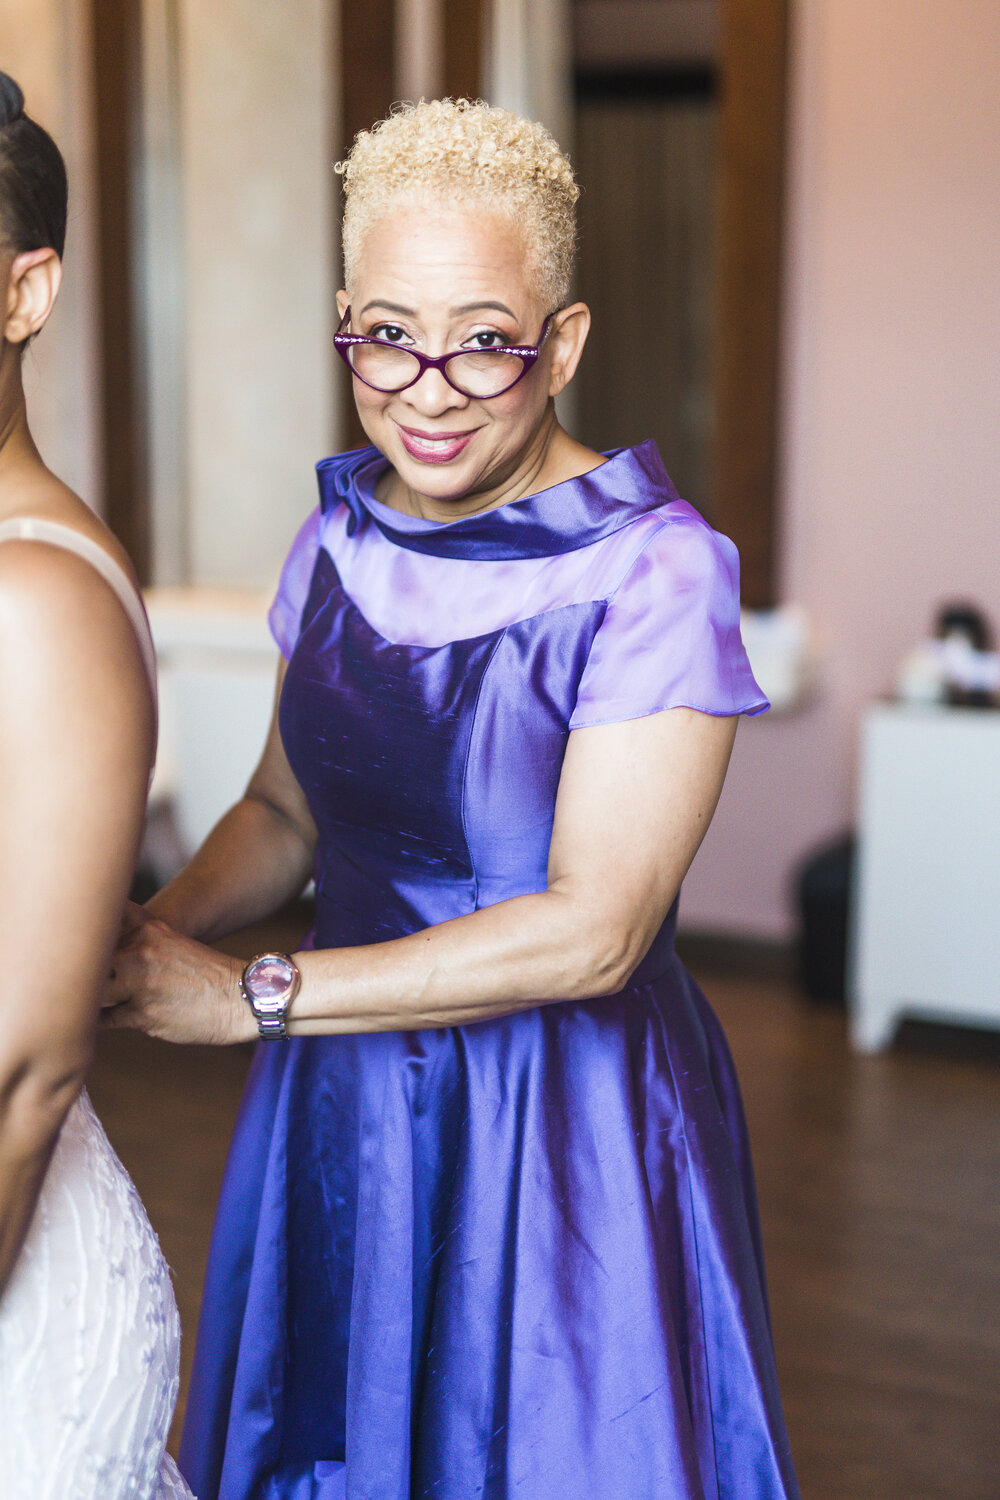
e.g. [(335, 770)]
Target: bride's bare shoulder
[(77, 702), (30, 491), (59, 618)]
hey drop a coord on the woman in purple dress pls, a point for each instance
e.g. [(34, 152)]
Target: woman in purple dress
[(488, 1227)]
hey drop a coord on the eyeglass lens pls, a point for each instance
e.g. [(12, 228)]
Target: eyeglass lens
[(477, 372)]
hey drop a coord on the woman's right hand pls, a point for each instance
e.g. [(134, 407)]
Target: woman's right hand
[(174, 988)]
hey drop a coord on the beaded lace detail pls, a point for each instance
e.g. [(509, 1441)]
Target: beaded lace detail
[(89, 1337)]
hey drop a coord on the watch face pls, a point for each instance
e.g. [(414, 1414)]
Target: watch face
[(268, 980)]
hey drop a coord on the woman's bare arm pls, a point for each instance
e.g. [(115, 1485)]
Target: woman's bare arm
[(258, 856), (76, 728), (634, 802)]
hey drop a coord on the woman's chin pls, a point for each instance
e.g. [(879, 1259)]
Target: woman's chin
[(442, 481)]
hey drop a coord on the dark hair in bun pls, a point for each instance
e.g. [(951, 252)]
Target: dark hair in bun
[(32, 179)]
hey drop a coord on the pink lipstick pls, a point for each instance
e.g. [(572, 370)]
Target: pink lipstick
[(433, 447)]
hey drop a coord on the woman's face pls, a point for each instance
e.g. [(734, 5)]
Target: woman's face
[(438, 280)]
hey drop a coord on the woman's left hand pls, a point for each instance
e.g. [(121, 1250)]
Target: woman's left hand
[(174, 988)]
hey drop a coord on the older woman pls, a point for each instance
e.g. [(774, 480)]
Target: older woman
[(488, 1227)]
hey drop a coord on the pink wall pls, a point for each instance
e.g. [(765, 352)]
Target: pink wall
[(891, 452)]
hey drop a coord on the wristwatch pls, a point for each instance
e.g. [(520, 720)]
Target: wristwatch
[(269, 984)]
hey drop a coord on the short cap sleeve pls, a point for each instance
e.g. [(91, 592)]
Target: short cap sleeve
[(285, 614), (670, 636)]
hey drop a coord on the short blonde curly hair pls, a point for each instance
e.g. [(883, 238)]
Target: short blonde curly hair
[(461, 150)]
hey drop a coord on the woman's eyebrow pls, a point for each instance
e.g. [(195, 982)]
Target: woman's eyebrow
[(456, 312), (471, 307), (406, 312)]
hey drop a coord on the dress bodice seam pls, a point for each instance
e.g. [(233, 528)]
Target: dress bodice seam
[(474, 719), (659, 523), (493, 639)]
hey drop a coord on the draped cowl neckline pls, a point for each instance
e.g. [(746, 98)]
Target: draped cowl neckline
[(559, 519)]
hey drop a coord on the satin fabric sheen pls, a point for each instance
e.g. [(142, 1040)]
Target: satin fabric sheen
[(518, 1258)]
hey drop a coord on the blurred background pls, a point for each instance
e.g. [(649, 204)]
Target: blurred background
[(790, 241)]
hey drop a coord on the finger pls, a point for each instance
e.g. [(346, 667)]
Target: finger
[(112, 995), (134, 916), (115, 991), (124, 977), (116, 1018)]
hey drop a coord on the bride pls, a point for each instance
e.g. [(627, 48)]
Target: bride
[(88, 1324)]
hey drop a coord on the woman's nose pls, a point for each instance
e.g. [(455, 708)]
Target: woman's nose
[(431, 395)]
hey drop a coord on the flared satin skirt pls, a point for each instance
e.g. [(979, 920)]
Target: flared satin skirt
[(511, 1261)]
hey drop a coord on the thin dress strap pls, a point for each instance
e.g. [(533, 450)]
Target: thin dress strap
[(34, 529)]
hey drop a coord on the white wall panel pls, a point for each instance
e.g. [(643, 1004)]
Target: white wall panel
[(259, 272), (44, 48)]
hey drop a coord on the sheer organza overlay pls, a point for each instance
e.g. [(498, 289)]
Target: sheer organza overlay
[(670, 634)]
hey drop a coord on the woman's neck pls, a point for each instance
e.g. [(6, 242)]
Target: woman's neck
[(21, 466), (551, 457)]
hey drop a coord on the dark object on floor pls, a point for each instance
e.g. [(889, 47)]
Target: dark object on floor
[(823, 889)]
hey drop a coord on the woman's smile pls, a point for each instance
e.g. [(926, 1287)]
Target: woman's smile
[(434, 447)]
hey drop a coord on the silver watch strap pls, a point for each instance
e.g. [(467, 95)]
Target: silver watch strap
[(271, 1028)]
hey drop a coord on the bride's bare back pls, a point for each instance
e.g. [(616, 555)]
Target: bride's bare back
[(88, 1324), (76, 743)]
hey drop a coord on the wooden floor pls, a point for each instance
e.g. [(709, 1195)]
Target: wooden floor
[(878, 1180)]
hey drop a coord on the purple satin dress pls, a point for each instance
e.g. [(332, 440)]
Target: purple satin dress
[(517, 1260)]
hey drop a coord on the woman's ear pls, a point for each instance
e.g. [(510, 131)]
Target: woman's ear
[(343, 303), (570, 327), (32, 287)]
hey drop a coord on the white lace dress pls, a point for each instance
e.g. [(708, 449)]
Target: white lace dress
[(89, 1333), (89, 1337)]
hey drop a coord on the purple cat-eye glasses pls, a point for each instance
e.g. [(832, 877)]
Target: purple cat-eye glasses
[(481, 373)]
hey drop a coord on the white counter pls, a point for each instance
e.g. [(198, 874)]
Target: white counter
[(926, 914)]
